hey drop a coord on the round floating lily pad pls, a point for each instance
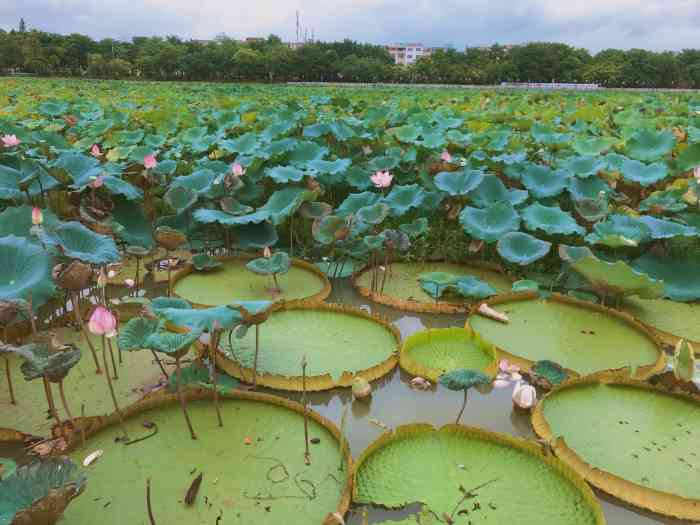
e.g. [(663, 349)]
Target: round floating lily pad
[(670, 320), (653, 463), (137, 373), (403, 290), (237, 477), (417, 463), (580, 336), (233, 281), (431, 353), (337, 341)]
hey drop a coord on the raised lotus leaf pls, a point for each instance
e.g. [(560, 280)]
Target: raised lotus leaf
[(39, 492), (459, 182), (573, 253), (130, 224), (648, 145), (76, 241), (301, 152), (407, 133), (522, 248), (315, 210), (491, 190), (667, 229), (592, 146), (593, 210), (552, 372), (202, 182), (543, 182), (490, 224), (169, 238), (551, 220), (584, 166), (355, 202), (253, 312), (180, 198), (435, 284), (133, 335), (684, 361), (283, 203), (203, 262), (374, 214), (74, 276), (666, 201), (681, 277), (618, 278), (644, 174), (234, 207), (198, 375), (285, 174), (589, 188), (278, 263), (464, 379), (374, 242), (40, 361), (416, 228), (689, 158), (330, 229), (403, 198), (255, 236), (619, 230), (17, 220), (210, 216), (26, 270), (473, 287), (175, 344)]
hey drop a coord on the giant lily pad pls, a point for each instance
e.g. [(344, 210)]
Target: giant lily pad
[(431, 353), (670, 320), (85, 390), (451, 469), (338, 343), (79, 242), (403, 289), (26, 270), (233, 281), (233, 471), (490, 224), (653, 464), (581, 337)]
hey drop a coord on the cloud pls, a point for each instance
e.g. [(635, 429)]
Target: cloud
[(594, 24)]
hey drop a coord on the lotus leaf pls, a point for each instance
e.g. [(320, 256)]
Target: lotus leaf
[(79, 242), (459, 182), (431, 353), (681, 278), (525, 285), (622, 227), (285, 174), (582, 339), (203, 262), (26, 270), (666, 229), (644, 174), (133, 335), (583, 167), (15, 172), (416, 228), (490, 224), (667, 201), (656, 428), (689, 157), (284, 203), (497, 465), (473, 287), (592, 146), (355, 202), (17, 221), (39, 492), (436, 284), (463, 379), (617, 278), (278, 263), (543, 182), (180, 198), (491, 190), (374, 214), (40, 361), (551, 220), (650, 145), (552, 372), (198, 375), (522, 248), (403, 198), (130, 224), (330, 229)]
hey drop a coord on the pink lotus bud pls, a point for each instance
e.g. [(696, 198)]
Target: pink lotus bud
[(96, 151), (102, 322), (37, 217), (150, 162), (696, 173), (381, 179), (266, 252), (524, 396), (446, 157), (10, 141), (237, 170)]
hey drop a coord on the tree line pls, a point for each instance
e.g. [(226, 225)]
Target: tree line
[(270, 60)]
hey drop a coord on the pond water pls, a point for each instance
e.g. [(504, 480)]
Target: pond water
[(393, 403)]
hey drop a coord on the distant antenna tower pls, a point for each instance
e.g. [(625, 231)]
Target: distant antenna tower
[(297, 26), (306, 34), (313, 35)]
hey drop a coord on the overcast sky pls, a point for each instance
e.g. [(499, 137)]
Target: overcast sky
[(593, 24)]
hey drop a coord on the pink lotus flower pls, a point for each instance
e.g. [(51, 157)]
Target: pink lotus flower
[(524, 396), (696, 173), (237, 170), (96, 151), (382, 179), (150, 162), (129, 282), (102, 322), (37, 216), (446, 157), (507, 374), (266, 252), (97, 182), (10, 141)]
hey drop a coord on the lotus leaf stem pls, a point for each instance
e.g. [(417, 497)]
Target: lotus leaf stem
[(78, 319), (52, 407), (167, 255), (255, 359), (307, 454), (213, 345), (181, 397), (148, 502), (111, 356), (64, 401), (8, 373), (160, 364), (461, 411), (111, 389)]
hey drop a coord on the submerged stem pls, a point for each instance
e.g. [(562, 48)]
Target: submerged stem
[(213, 345), (148, 502), (181, 397)]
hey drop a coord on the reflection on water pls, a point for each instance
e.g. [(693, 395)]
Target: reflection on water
[(393, 403)]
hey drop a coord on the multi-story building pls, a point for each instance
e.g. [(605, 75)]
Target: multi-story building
[(406, 54)]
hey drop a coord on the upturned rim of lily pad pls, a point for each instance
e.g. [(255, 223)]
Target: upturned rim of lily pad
[(189, 268), (426, 307), (654, 500), (642, 372), (321, 382)]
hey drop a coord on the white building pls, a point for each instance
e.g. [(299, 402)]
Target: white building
[(409, 53)]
